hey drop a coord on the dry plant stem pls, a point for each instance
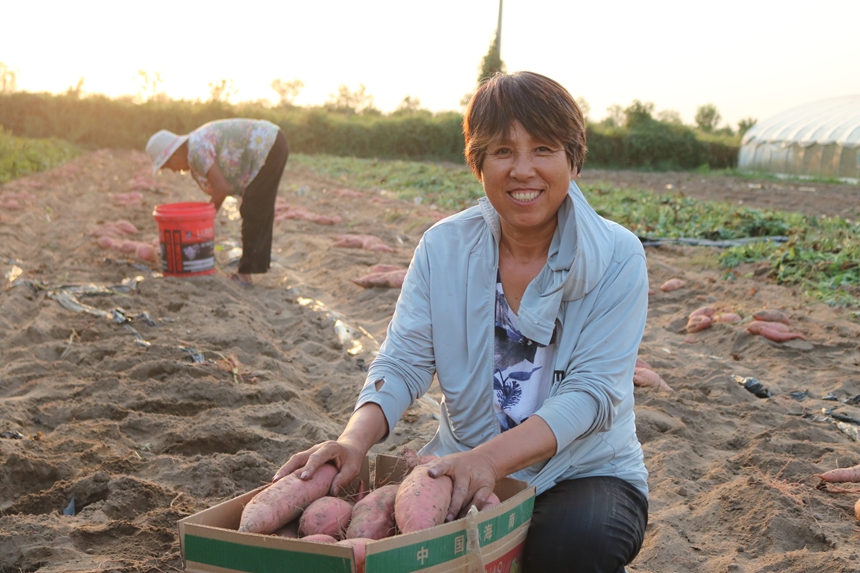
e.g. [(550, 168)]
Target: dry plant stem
[(830, 488), (783, 486)]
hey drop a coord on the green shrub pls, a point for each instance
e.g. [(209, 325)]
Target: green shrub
[(20, 156), (660, 145), (98, 121)]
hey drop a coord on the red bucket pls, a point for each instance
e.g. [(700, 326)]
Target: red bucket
[(186, 232)]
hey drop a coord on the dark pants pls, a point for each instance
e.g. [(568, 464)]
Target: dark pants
[(258, 209), (588, 525)]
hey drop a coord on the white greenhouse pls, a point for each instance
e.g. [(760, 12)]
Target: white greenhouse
[(819, 139)]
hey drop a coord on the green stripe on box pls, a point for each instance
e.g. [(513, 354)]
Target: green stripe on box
[(418, 556), (497, 527), (259, 559), (442, 549)]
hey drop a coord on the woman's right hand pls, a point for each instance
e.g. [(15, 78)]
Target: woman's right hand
[(346, 456), (366, 426)]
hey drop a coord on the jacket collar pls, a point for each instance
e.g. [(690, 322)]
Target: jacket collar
[(579, 255)]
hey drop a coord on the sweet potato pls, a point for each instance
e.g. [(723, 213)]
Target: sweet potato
[(648, 378), (642, 364), (290, 530), (105, 242), (284, 500), (757, 326), (126, 227), (422, 501), (127, 246), (699, 322), (672, 284), (329, 515), (10, 205), (359, 550), (703, 311), (390, 279), (851, 474), (383, 268), (366, 242), (771, 315), (319, 538), (145, 252), (777, 336), (728, 317), (373, 516)]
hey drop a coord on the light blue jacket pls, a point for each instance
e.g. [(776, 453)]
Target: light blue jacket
[(593, 290)]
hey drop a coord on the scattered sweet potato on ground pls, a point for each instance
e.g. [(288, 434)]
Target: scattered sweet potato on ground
[(757, 326), (840, 475), (771, 315), (698, 323), (373, 516), (144, 182), (348, 193), (127, 246), (119, 228), (284, 210), (672, 284), (777, 336), (143, 251), (776, 331), (390, 279), (284, 500), (10, 205), (422, 501), (384, 268), (729, 318), (328, 515), (647, 378), (146, 252), (642, 364), (127, 199), (703, 311), (15, 201), (366, 242)]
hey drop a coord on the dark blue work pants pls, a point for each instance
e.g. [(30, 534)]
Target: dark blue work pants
[(587, 525), (258, 210)]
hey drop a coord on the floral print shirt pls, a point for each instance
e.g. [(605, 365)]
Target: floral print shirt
[(239, 146), (522, 369)]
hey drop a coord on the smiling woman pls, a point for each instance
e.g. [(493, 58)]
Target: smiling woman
[(528, 309)]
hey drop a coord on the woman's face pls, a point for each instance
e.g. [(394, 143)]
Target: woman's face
[(178, 161), (526, 179)]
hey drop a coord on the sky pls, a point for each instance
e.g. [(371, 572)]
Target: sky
[(750, 58)]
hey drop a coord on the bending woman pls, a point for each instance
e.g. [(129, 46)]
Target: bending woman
[(240, 157)]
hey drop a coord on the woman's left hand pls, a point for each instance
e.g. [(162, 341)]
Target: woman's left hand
[(476, 472), (474, 480), (219, 188)]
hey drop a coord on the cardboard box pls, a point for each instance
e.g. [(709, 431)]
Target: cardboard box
[(489, 541)]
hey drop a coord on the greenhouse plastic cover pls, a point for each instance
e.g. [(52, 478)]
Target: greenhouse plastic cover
[(835, 120)]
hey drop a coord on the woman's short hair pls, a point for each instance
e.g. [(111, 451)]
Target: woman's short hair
[(541, 105)]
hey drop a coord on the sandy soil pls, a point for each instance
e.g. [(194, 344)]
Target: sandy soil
[(117, 422)]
